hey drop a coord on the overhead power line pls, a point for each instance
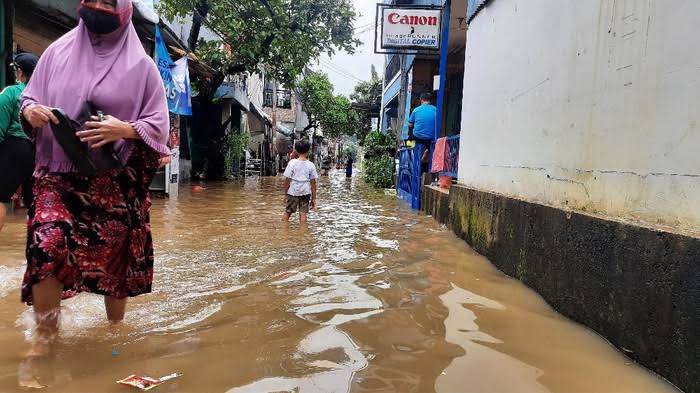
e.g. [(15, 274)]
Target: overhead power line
[(371, 24), (339, 70), (365, 28)]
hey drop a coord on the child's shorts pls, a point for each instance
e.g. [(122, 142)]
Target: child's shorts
[(298, 203)]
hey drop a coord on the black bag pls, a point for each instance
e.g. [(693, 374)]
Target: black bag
[(78, 151)]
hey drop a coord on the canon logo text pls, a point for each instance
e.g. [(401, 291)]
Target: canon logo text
[(398, 19)]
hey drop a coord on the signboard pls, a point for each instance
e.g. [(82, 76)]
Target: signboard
[(176, 78), (408, 28)]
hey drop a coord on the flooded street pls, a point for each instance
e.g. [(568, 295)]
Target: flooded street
[(372, 297)]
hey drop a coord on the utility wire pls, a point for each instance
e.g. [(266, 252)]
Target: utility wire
[(371, 24), (349, 77), (343, 75), (339, 69)]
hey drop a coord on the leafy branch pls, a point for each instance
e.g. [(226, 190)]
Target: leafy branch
[(282, 35)]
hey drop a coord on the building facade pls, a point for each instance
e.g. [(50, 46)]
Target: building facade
[(283, 105), (599, 117), (408, 74), (578, 172)]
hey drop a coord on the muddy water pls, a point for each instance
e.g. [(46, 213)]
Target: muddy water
[(370, 298)]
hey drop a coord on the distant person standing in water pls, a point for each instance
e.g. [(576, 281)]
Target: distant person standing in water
[(300, 183), (348, 167), (16, 150), (92, 233), (326, 164)]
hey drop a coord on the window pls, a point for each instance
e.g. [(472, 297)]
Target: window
[(392, 69), (284, 98)]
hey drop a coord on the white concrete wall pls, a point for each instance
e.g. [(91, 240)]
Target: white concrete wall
[(592, 105)]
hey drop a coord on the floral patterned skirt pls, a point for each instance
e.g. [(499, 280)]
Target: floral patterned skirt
[(93, 234)]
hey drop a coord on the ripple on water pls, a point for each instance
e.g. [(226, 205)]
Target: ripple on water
[(10, 279), (79, 315), (359, 300)]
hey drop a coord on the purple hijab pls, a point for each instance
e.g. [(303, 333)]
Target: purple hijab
[(114, 73)]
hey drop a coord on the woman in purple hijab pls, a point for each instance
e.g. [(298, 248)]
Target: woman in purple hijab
[(92, 233)]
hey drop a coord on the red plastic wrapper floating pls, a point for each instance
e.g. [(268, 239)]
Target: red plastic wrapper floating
[(146, 383)]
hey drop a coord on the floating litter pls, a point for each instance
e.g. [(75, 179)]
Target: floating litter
[(146, 383)]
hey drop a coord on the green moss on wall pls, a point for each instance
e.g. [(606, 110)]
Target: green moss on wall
[(475, 225)]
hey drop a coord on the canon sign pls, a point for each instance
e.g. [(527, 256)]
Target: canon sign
[(411, 28), (396, 18)]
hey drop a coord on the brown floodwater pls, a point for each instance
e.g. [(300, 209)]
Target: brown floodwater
[(371, 297)]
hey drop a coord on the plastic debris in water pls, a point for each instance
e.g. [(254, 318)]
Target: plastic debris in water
[(115, 352), (146, 383), (198, 188)]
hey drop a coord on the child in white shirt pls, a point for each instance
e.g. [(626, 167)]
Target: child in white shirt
[(300, 183)]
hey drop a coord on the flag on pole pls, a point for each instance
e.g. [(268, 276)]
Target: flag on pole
[(176, 78)]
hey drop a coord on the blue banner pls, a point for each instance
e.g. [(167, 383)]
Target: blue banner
[(176, 78)]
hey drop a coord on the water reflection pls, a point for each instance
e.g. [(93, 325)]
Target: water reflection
[(370, 297), (486, 368), (331, 297)]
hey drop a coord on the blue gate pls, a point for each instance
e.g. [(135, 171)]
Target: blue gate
[(409, 176)]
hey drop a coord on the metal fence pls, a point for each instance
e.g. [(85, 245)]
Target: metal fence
[(409, 175), (409, 181)]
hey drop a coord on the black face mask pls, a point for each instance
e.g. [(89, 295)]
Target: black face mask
[(99, 22)]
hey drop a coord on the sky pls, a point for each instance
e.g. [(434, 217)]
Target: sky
[(345, 70)]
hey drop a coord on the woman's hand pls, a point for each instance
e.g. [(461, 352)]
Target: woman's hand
[(163, 161), (111, 129), (39, 115)]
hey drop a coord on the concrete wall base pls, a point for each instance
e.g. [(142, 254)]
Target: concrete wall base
[(638, 287)]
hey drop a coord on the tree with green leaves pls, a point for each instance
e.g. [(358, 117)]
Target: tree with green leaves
[(367, 101), (380, 150), (281, 35), (278, 36), (333, 113)]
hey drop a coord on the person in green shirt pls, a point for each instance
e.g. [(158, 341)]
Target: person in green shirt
[(16, 149)]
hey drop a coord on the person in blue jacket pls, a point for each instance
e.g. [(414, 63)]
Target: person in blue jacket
[(421, 124)]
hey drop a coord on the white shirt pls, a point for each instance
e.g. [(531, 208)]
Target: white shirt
[(300, 173)]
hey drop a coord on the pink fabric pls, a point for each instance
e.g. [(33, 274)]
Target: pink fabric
[(439, 163), (113, 72)]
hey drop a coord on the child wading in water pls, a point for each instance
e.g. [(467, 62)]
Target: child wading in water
[(300, 183)]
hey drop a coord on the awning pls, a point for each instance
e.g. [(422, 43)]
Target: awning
[(260, 113), (234, 92)]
